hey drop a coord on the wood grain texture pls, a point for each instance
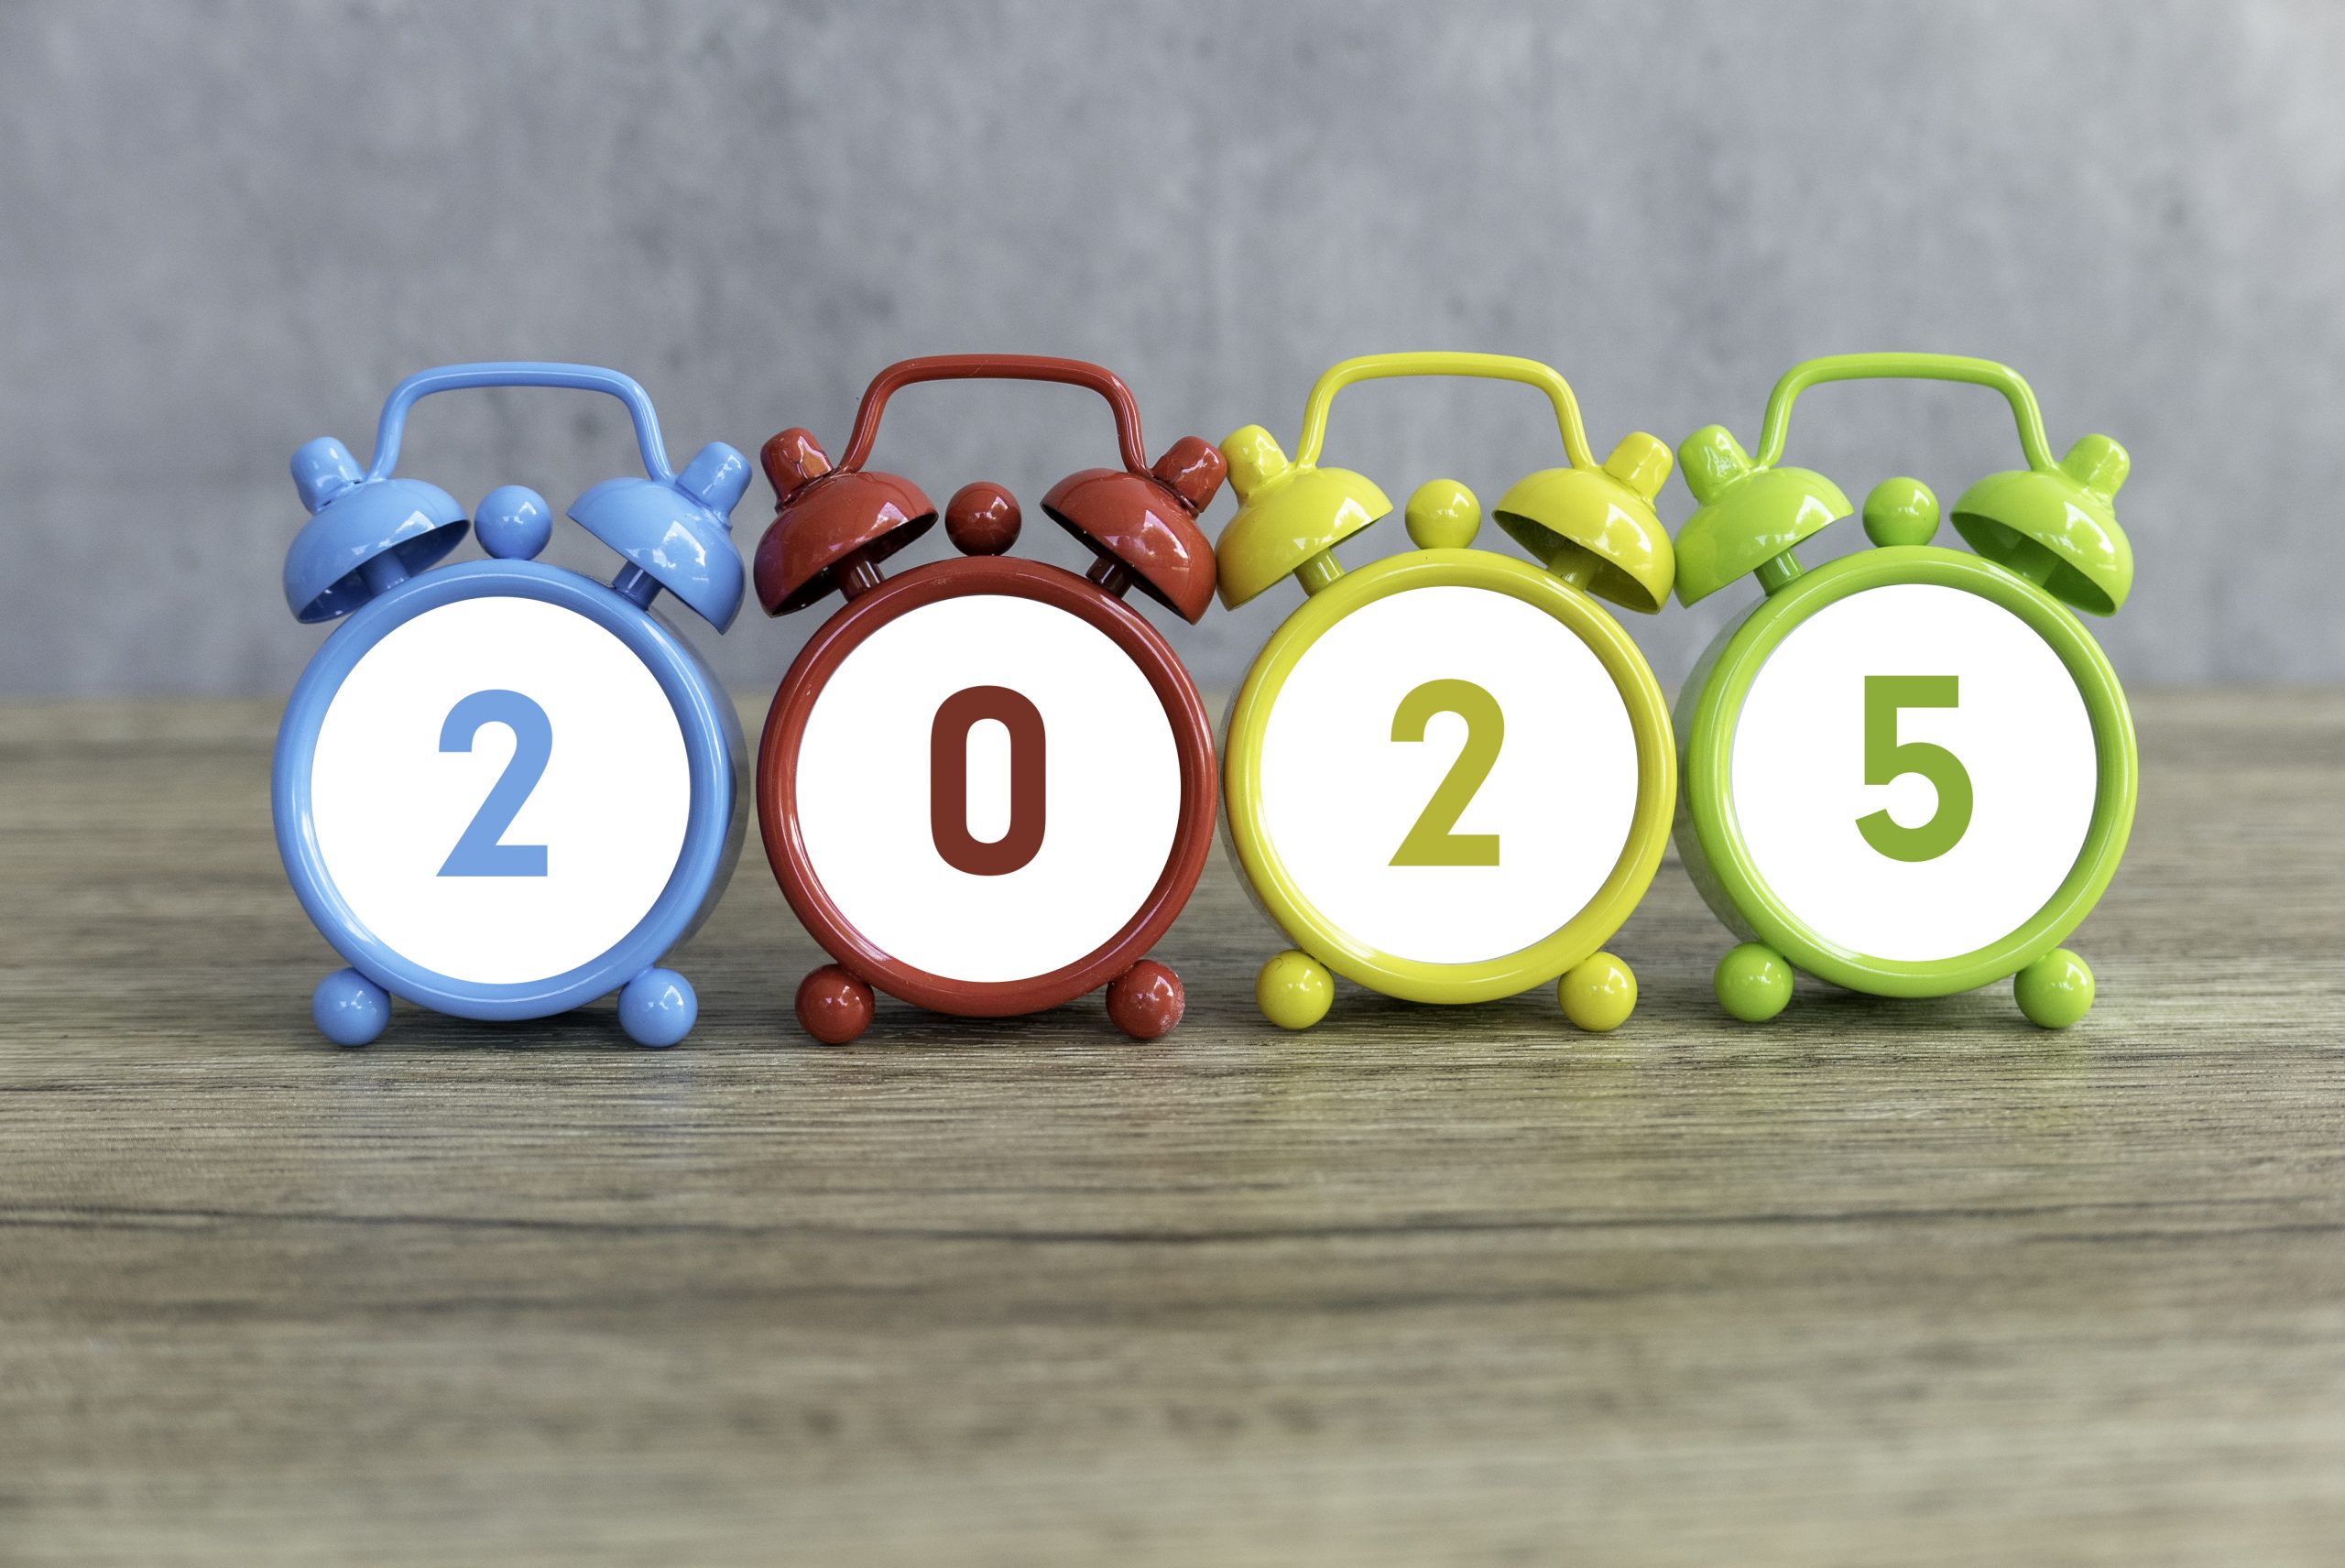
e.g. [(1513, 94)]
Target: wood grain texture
[(1877, 1282)]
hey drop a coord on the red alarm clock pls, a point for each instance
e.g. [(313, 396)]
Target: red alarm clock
[(987, 785)]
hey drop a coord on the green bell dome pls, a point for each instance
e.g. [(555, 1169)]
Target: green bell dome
[(1748, 515), (2057, 526)]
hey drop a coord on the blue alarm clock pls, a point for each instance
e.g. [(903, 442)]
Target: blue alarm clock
[(502, 789)]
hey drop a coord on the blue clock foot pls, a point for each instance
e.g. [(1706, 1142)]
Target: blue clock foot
[(349, 1008), (2056, 990), (1753, 983), (657, 1008)]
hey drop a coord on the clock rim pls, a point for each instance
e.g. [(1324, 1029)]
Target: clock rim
[(1479, 980), (715, 756), (1722, 866), (785, 728)]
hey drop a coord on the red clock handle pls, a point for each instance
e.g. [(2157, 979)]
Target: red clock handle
[(996, 367)]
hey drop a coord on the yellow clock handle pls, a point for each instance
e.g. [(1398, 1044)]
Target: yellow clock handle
[(1484, 366)]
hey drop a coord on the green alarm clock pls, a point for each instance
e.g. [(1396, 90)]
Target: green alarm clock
[(1911, 772)]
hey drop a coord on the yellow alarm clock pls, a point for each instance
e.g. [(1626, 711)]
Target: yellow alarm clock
[(1449, 774)]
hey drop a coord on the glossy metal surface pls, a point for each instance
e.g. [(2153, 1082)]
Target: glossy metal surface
[(1710, 840), (1290, 990), (824, 519), (830, 528), (405, 523), (712, 748), (983, 519), (1289, 514), (1749, 515), (1592, 525), (363, 554), (370, 532), (1146, 1001), (2052, 523), (2047, 543), (1596, 527), (2057, 526), (785, 729), (679, 531), (1593, 530), (833, 1005), (1146, 527)]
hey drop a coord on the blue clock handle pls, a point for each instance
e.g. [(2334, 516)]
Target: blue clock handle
[(519, 373)]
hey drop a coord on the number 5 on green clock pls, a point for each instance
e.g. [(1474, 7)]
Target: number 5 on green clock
[(1887, 760)]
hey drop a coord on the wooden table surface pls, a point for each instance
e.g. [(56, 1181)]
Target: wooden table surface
[(1876, 1282)]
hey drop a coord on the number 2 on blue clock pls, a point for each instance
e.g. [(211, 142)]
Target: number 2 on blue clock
[(478, 853)]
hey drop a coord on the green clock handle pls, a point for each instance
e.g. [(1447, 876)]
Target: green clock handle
[(1487, 367), (2055, 523), (1904, 367)]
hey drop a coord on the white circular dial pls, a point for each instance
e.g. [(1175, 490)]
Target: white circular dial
[(1448, 774), (1913, 773), (500, 791), (987, 787)]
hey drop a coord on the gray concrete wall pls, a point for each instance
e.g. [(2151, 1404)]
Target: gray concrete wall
[(225, 229)]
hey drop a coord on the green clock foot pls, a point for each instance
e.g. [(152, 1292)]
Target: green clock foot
[(1753, 983), (1599, 993), (1294, 990), (2056, 990)]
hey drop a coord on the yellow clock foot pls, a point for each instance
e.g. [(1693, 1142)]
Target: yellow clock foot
[(1294, 990), (1599, 993)]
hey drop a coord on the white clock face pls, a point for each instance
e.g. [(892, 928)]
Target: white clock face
[(1448, 774), (988, 787), (500, 791), (1944, 711)]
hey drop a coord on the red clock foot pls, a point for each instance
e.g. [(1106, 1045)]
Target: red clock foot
[(833, 1005), (1146, 1000)]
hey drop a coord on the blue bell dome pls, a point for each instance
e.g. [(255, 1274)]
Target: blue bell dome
[(364, 536), (678, 532)]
